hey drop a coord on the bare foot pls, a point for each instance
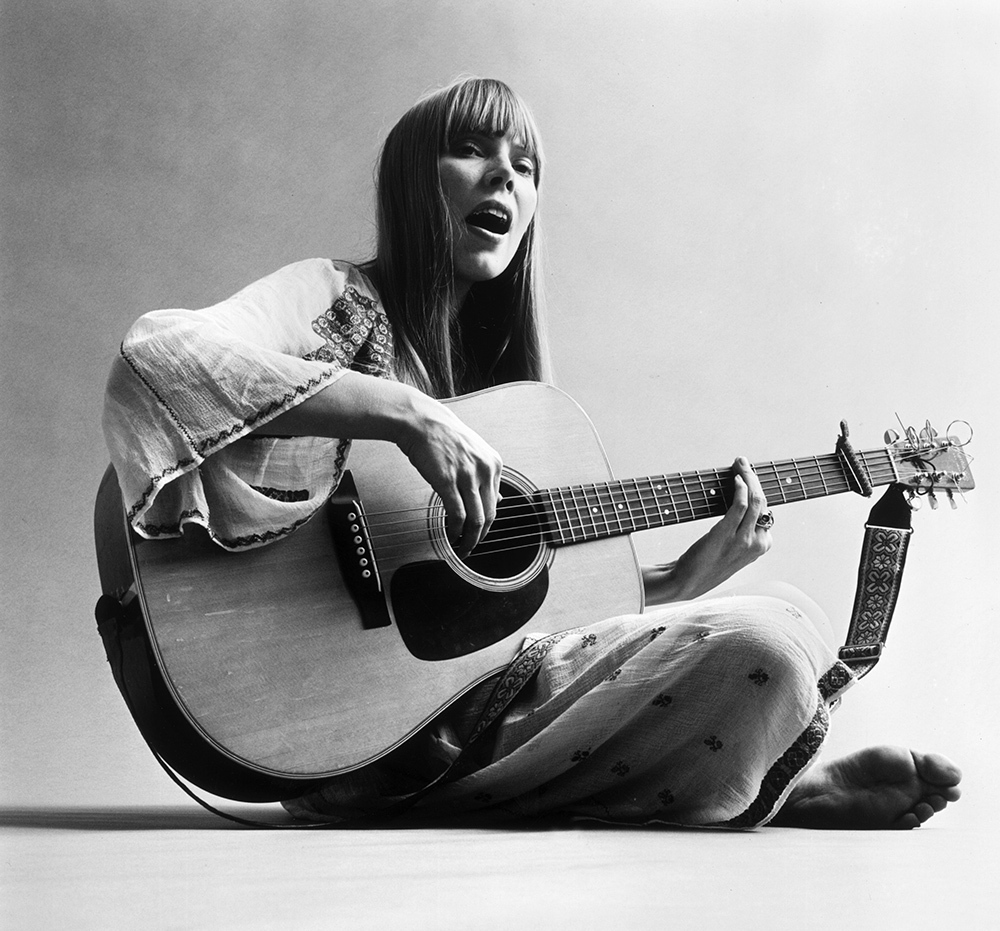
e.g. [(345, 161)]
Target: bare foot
[(879, 787)]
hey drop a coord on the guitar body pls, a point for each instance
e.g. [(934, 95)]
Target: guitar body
[(258, 674)]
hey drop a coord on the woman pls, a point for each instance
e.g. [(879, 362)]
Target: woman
[(238, 417)]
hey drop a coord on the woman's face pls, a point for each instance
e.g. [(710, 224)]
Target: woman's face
[(489, 183)]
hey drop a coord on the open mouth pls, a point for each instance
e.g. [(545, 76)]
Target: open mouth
[(492, 219)]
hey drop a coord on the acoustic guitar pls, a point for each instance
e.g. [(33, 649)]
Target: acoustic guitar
[(257, 675)]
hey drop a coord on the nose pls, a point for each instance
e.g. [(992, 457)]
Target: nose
[(501, 174)]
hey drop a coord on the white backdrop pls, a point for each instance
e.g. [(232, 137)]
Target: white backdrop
[(759, 218)]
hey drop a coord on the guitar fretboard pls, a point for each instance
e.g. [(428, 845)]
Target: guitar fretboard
[(578, 513)]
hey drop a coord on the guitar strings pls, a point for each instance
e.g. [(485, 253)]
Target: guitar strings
[(582, 497), (810, 485), (512, 528)]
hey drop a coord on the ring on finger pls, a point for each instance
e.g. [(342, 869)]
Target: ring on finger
[(765, 521)]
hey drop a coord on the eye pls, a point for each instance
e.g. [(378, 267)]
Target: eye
[(466, 148), (525, 167)]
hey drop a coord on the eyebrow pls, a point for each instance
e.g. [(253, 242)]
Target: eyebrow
[(518, 143)]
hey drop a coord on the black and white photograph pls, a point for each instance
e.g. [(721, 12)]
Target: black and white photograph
[(477, 465)]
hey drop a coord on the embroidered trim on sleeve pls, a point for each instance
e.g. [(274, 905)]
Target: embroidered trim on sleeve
[(357, 334), (203, 448), (156, 394)]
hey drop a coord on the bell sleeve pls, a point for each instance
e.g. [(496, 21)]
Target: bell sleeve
[(188, 387)]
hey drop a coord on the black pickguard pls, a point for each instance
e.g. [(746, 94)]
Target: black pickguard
[(441, 616)]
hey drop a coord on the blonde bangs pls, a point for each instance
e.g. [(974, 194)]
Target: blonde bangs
[(490, 108)]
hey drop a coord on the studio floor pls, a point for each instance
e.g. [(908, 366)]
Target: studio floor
[(181, 868)]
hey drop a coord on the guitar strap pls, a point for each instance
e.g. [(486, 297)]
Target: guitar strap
[(883, 555)]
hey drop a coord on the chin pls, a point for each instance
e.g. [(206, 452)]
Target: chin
[(485, 269)]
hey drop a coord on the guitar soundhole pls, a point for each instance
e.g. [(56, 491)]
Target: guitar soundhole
[(514, 539), (449, 607)]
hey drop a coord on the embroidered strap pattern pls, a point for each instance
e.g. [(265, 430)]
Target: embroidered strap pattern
[(514, 678), (883, 555)]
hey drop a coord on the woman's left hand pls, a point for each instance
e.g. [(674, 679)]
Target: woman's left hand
[(734, 542)]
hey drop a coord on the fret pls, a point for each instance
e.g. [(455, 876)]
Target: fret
[(703, 491), (717, 496), (822, 477), (589, 524), (798, 477), (555, 513), (664, 512), (674, 518), (569, 515), (687, 496), (653, 511), (596, 508), (650, 508), (618, 506), (777, 479), (639, 502), (628, 504), (582, 511)]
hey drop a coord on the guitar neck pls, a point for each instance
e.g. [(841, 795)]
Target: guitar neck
[(578, 513)]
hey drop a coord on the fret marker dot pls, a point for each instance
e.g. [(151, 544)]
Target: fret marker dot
[(621, 507), (788, 481), (594, 510), (711, 491)]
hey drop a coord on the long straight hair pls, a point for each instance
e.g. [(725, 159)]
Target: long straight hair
[(498, 335)]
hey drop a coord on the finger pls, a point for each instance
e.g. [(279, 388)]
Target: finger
[(475, 521), (738, 506), (755, 498), (454, 510), (490, 496), (490, 473), (472, 532)]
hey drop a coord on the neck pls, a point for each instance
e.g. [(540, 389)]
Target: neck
[(578, 513), (461, 290)]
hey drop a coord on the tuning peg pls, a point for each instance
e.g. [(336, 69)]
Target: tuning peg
[(933, 500), (951, 500), (890, 437)]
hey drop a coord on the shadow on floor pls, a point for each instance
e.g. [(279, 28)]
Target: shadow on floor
[(272, 817)]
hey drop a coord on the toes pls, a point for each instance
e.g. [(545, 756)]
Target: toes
[(907, 822), (936, 802), (922, 811), (935, 769)]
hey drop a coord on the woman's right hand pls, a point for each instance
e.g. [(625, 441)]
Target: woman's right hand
[(454, 460), (459, 465)]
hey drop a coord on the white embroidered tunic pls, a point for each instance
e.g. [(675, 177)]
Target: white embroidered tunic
[(189, 386)]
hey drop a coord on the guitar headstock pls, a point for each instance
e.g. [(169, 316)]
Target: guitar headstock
[(929, 463)]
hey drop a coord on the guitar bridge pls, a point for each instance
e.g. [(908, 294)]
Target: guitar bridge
[(352, 543)]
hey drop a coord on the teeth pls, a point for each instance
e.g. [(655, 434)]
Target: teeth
[(494, 211), (492, 218)]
